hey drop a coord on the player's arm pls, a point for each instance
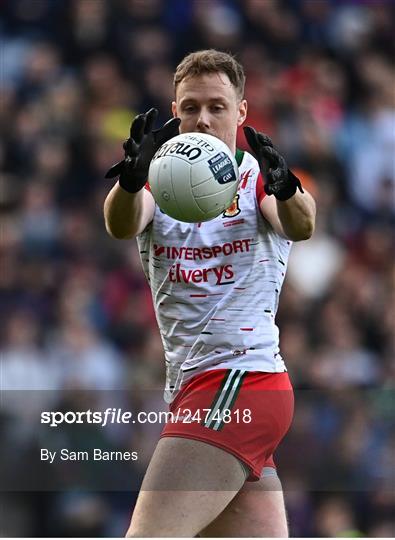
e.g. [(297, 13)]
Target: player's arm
[(129, 208), (127, 214), (294, 218), (291, 211)]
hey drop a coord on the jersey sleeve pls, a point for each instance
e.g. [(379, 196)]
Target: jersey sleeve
[(260, 191)]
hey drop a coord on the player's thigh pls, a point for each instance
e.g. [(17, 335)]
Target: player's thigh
[(256, 511), (187, 485)]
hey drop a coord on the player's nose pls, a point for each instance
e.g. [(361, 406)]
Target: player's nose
[(203, 123)]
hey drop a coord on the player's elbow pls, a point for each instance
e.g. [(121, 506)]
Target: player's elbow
[(118, 233), (303, 236), (304, 232)]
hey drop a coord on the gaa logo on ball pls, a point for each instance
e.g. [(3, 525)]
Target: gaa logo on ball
[(193, 177)]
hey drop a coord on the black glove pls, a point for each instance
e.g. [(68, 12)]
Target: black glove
[(280, 181), (140, 149)]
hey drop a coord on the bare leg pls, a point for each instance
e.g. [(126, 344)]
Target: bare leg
[(187, 485), (256, 511)]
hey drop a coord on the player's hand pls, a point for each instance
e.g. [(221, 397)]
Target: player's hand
[(140, 148), (279, 180)]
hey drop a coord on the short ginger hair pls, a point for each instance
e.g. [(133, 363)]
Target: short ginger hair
[(211, 61)]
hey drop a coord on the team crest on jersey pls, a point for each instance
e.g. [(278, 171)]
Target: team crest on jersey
[(234, 209)]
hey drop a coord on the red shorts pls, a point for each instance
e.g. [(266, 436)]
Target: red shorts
[(246, 413)]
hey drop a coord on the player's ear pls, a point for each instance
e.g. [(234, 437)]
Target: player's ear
[(242, 113), (174, 109)]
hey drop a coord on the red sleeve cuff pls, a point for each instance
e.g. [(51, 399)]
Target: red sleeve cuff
[(260, 192)]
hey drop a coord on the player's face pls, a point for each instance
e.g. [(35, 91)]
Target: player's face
[(209, 104)]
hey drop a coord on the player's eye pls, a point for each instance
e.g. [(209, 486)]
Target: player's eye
[(217, 108), (189, 108)]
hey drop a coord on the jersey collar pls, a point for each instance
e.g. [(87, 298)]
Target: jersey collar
[(239, 156)]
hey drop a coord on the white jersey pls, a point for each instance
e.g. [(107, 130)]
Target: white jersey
[(216, 285)]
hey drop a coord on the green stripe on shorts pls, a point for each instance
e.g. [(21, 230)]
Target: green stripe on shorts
[(224, 398)]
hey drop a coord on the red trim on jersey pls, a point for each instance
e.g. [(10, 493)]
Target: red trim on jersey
[(260, 192), (244, 178), (147, 187)]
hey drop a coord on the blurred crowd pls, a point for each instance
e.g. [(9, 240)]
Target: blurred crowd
[(77, 312)]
